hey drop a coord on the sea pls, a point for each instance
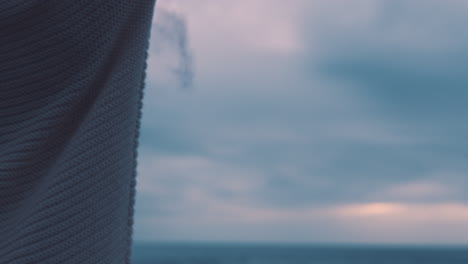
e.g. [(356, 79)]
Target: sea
[(249, 253)]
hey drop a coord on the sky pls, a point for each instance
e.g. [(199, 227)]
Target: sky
[(310, 121)]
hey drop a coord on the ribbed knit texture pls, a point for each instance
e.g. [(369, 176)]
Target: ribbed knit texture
[(71, 80)]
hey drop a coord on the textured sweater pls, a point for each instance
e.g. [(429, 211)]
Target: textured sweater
[(71, 79)]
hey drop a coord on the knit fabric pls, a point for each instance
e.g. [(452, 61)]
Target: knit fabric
[(71, 79)]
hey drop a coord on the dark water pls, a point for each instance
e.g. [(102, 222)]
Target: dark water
[(180, 253)]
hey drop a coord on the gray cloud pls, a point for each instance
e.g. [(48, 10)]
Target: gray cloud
[(410, 58), (370, 112), (408, 63)]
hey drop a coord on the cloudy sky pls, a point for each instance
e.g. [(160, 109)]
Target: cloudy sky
[(305, 121)]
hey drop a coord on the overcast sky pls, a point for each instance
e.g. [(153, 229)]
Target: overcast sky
[(305, 121)]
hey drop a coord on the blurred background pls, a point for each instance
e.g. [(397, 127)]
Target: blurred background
[(305, 121)]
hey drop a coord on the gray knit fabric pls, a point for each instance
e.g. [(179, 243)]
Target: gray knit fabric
[(71, 79)]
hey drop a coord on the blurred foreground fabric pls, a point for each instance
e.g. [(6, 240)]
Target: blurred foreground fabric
[(71, 80)]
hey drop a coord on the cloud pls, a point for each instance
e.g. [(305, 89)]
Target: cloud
[(420, 190), (407, 57), (325, 121), (182, 181), (257, 25), (184, 196)]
